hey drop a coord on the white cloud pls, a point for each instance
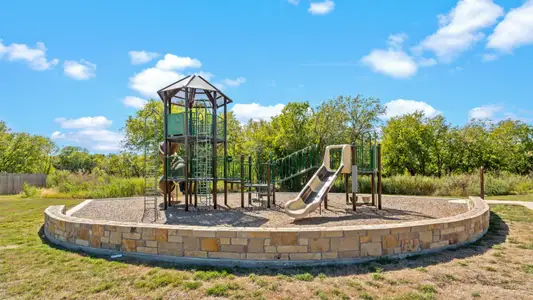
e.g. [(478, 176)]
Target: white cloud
[(234, 82), (426, 62), (461, 28), (141, 57), (484, 112), (396, 40), (219, 86), (394, 63), (321, 8), (513, 116), (34, 57), (294, 2), (57, 135), (205, 75), (82, 70), (100, 140), (255, 111), (135, 102), (84, 122), (489, 57), (515, 30), (150, 80), (90, 132), (401, 107), (173, 62)]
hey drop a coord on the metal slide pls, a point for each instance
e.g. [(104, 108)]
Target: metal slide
[(318, 186)]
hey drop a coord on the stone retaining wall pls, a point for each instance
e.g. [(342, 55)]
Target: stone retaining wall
[(348, 243)]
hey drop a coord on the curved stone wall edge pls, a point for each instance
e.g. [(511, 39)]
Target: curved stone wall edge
[(219, 245)]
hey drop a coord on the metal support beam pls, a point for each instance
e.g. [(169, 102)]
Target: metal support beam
[(242, 180), (214, 141), (225, 154), (165, 151), (249, 180), (380, 171), (482, 183), (274, 185), (268, 184), (354, 163), (186, 148), (373, 187)]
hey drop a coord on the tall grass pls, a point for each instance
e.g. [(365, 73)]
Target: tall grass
[(63, 184), (456, 185)]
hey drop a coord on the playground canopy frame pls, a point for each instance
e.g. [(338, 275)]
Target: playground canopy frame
[(188, 92)]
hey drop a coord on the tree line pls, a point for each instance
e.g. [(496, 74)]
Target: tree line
[(25, 153), (412, 144)]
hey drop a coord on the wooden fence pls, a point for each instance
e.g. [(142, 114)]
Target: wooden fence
[(14, 183)]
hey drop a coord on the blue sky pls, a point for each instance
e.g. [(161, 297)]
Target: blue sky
[(74, 71)]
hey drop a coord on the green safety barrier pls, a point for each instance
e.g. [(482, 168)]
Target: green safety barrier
[(282, 169), (176, 124)]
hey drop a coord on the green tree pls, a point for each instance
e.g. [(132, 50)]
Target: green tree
[(74, 159), (328, 124), (135, 126), (477, 149), (512, 144), (362, 115), (24, 153), (235, 136), (3, 127), (406, 145), (437, 134), (291, 128)]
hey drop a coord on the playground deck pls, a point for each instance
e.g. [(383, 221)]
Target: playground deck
[(396, 209)]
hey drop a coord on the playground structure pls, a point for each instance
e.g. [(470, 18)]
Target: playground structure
[(194, 128), (194, 157)]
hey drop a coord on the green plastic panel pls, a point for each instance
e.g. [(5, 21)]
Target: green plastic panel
[(176, 124)]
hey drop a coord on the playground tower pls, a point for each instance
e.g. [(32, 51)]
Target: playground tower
[(193, 123)]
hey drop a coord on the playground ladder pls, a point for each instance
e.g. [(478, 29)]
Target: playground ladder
[(151, 168), (203, 158)]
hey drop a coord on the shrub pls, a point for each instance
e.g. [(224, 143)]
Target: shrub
[(304, 277), (29, 191), (523, 187), (222, 289)]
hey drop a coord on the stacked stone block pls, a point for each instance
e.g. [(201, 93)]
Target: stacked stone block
[(300, 244)]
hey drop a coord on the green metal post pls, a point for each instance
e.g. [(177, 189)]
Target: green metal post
[(249, 180)]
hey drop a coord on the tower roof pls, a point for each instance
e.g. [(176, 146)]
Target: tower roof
[(196, 86)]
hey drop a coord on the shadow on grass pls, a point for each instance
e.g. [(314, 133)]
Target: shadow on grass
[(496, 235)]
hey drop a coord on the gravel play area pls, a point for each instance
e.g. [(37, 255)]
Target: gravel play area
[(396, 209)]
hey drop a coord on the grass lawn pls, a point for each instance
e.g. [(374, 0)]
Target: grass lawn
[(498, 266), (528, 197)]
